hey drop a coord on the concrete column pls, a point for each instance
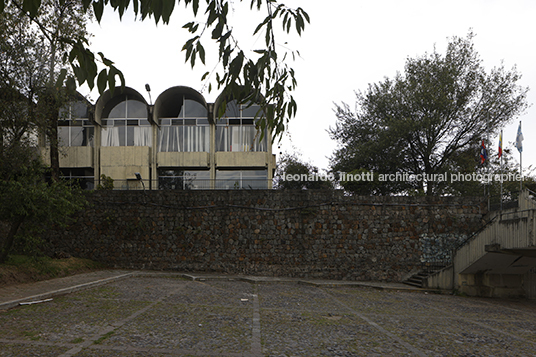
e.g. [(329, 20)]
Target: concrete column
[(153, 164), (212, 154)]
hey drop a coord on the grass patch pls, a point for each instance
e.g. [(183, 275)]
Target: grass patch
[(103, 337), (77, 340), (32, 335), (24, 269)]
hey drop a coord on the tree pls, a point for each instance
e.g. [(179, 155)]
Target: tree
[(28, 205), (35, 203), (34, 60), (295, 174), (31, 93), (428, 121), (265, 75)]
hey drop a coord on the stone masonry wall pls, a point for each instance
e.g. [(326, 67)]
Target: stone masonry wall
[(321, 234)]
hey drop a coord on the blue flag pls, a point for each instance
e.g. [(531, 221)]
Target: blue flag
[(519, 139)]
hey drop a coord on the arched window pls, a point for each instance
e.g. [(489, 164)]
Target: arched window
[(237, 131), (184, 127), (125, 123)]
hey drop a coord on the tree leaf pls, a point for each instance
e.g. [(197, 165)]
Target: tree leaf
[(70, 84), (102, 81), (31, 7), (86, 4), (61, 78), (236, 65), (98, 9), (201, 51), (105, 61), (167, 10), (111, 80)]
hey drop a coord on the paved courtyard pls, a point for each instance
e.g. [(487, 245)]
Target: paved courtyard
[(162, 316)]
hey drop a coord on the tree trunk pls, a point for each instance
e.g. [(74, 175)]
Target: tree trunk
[(10, 239), (54, 151), (53, 110), (50, 112)]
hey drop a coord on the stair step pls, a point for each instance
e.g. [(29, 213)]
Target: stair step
[(417, 285), (417, 280)]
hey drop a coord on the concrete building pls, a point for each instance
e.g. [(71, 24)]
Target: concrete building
[(177, 143)]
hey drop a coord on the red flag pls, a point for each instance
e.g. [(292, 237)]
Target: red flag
[(500, 145), (483, 153)]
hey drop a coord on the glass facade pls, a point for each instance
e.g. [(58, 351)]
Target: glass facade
[(81, 177), (241, 179), (75, 133), (126, 124), (185, 128), (74, 128), (237, 131), (181, 122), (179, 179)]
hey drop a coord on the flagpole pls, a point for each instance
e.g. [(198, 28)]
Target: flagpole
[(501, 167), (520, 165), (519, 146), (520, 171)]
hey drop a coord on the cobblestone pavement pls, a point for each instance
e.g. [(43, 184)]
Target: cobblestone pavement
[(162, 316)]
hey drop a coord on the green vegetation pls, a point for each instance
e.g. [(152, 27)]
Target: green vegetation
[(21, 269), (103, 337), (32, 335), (33, 68), (428, 121), (34, 205), (292, 171), (106, 183)]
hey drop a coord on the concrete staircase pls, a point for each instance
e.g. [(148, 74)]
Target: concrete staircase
[(417, 280), (420, 279), (494, 261)]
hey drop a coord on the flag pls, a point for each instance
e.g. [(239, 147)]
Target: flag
[(483, 153), (500, 145), (519, 139)]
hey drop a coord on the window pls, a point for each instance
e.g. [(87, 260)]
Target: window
[(237, 131), (75, 133), (74, 129), (184, 135), (126, 124), (186, 128), (179, 179), (81, 177), (241, 179)]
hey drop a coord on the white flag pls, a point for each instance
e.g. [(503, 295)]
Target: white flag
[(519, 139)]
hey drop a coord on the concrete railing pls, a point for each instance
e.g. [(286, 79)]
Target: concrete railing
[(508, 229), (443, 279)]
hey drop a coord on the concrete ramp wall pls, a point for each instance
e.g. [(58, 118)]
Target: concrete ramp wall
[(499, 259)]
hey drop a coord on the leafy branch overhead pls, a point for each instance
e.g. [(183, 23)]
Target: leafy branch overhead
[(266, 79)]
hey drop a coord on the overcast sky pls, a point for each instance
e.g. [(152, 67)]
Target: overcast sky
[(349, 44)]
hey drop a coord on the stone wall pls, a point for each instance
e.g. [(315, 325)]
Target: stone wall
[(321, 234)]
